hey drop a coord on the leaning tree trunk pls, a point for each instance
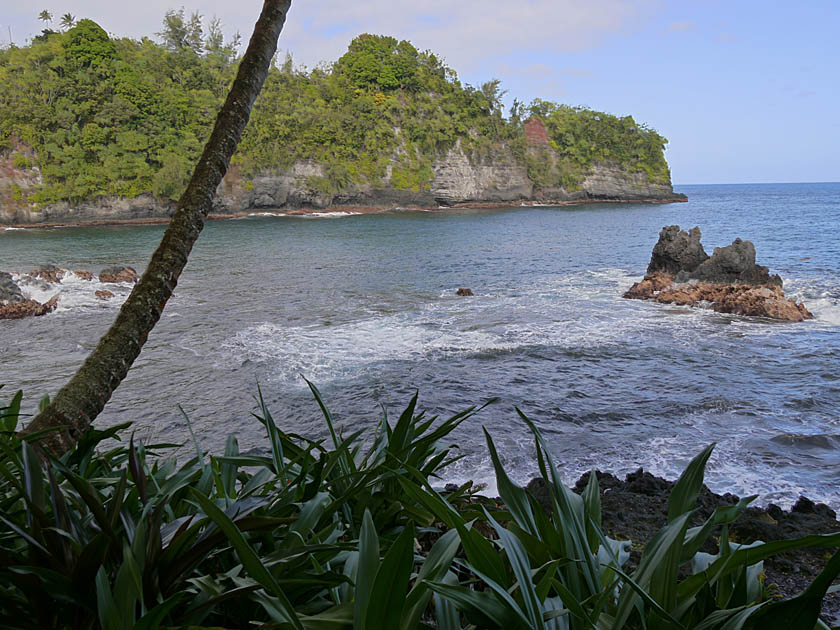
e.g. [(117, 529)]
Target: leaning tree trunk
[(78, 403)]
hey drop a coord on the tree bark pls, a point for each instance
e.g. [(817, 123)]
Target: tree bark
[(77, 404)]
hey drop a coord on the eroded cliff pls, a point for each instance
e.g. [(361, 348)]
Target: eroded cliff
[(458, 180)]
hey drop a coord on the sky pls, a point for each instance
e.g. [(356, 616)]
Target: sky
[(744, 90)]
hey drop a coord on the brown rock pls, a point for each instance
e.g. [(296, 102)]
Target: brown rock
[(651, 284), (464, 292), (761, 302), (730, 281), (50, 273), (84, 274), (736, 299), (118, 274), (28, 308), (104, 294)]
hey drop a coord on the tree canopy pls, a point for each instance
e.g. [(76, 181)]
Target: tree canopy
[(119, 117)]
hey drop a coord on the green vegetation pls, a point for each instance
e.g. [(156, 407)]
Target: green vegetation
[(583, 137), (353, 533), (118, 117)]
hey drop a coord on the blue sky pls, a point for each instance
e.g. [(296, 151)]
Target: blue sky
[(745, 91)]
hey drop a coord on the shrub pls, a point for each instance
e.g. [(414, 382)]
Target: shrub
[(353, 533)]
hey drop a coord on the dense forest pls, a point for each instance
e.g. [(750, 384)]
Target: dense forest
[(102, 116)]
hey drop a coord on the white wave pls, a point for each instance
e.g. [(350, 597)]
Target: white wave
[(268, 214), (820, 296), (334, 352), (327, 215), (73, 292), (825, 310), (13, 229)]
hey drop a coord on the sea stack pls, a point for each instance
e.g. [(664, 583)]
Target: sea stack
[(681, 272)]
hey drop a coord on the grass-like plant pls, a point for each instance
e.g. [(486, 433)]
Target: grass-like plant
[(354, 533)]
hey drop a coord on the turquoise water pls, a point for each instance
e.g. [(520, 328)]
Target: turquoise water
[(364, 306)]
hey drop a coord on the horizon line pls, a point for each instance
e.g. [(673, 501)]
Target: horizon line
[(751, 183)]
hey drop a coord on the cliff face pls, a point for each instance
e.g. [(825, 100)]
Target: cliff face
[(501, 179), (457, 180)]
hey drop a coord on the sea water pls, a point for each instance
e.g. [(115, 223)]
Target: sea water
[(365, 307)]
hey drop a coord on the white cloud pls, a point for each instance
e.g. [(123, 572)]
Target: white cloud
[(466, 33)]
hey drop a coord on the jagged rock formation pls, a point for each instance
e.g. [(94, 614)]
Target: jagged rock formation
[(681, 272)]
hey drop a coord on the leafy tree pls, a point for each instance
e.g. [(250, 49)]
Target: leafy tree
[(180, 33), (88, 44), (383, 110), (45, 16), (376, 61), (215, 40)]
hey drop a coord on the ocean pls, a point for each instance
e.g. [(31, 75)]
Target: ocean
[(365, 307)]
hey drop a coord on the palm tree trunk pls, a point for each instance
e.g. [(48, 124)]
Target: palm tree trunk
[(78, 403)]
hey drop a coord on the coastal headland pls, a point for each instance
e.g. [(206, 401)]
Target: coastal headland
[(384, 127)]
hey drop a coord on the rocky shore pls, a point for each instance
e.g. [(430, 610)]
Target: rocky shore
[(458, 182), (729, 281), (15, 304), (637, 507)]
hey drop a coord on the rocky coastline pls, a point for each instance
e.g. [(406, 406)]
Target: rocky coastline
[(729, 281), (457, 183), (15, 304), (636, 507)]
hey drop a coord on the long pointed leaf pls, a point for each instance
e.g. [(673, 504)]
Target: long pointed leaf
[(247, 556)]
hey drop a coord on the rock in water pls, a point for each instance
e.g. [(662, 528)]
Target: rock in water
[(84, 274), (50, 273), (104, 294), (732, 264), (9, 290), (676, 251), (27, 308), (118, 274), (464, 292), (680, 272)]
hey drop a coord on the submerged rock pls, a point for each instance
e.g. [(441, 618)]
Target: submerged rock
[(118, 274), (680, 272), (464, 292)]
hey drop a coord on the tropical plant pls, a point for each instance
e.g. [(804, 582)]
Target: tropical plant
[(125, 538), (353, 532), (68, 21)]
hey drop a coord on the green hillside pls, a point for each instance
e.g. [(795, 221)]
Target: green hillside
[(118, 117)]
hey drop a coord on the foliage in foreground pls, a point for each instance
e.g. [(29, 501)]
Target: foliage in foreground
[(352, 532)]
